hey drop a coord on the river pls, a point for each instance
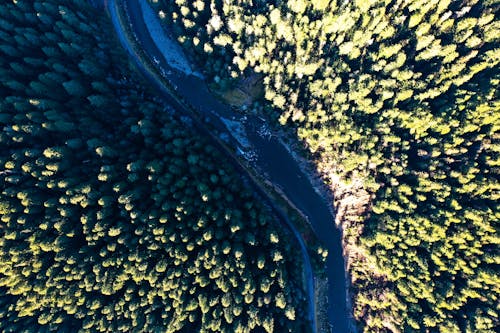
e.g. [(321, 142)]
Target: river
[(269, 156)]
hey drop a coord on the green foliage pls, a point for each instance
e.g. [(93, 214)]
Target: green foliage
[(115, 215), (402, 94)]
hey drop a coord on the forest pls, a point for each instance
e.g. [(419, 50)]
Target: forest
[(116, 215), (400, 95)]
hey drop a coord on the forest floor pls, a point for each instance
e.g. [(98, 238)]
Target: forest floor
[(247, 90)]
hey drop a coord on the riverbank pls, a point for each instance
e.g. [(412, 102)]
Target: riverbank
[(345, 202)]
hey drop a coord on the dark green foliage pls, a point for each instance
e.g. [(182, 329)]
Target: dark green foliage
[(401, 94), (115, 216)]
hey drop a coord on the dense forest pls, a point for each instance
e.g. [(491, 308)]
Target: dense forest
[(402, 95), (116, 215)]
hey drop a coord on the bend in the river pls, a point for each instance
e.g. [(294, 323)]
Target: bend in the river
[(267, 154)]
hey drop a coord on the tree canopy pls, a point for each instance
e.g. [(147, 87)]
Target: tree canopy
[(115, 215)]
